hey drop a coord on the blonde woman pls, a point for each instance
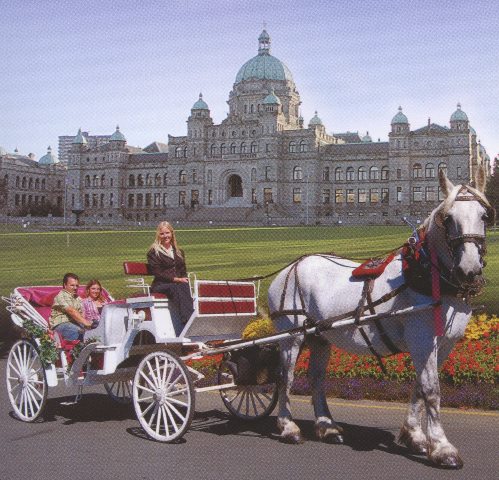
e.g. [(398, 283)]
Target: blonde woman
[(167, 263), (93, 302)]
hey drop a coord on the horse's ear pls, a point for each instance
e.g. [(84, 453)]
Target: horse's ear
[(480, 179), (445, 184)]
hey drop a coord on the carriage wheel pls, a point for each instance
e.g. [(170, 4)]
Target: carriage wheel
[(247, 402), (26, 382), (163, 396), (120, 392)]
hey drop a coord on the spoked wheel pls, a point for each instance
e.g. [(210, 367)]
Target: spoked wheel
[(120, 392), (247, 402), (26, 382), (163, 396)]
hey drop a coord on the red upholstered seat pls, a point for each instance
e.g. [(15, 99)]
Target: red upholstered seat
[(136, 268)]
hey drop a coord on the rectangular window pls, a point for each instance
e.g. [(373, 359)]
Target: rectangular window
[(399, 173), (253, 195), (430, 195), (157, 199), (326, 195), (210, 197), (101, 199), (165, 199), (209, 176), (459, 172), (339, 195), (296, 195), (17, 200), (267, 196), (140, 200), (194, 176), (350, 195), (417, 194), (111, 199), (361, 195), (267, 147), (325, 174), (73, 200), (385, 195), (130, 199), (94, 200), (374, 195), (181, 198), (399, 194), (194, 197), (267, 173), (148, 199)]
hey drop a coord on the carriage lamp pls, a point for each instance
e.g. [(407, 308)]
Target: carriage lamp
[(137, 317)]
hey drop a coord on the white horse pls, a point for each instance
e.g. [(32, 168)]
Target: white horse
[(320, 287)]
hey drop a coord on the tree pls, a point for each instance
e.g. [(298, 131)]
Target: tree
[(492, 189)]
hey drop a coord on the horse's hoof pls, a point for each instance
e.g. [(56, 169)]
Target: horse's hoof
[(450, 462), (416, 446), (333, 439), (292, 439)]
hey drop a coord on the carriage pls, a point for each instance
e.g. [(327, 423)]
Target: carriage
[(140, 353)]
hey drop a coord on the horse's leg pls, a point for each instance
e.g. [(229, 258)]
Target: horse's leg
[(289, 351), (411, 434), (439, 450), (325, 427)]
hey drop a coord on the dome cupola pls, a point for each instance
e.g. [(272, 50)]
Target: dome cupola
[(315, 120), (399, 118), (271, 99), (117, 136), (49, 158), (459, 115), (264, 66), (200, 104), (367, 138), (80, 138)]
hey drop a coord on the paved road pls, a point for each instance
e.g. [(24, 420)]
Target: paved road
[(97, 439)]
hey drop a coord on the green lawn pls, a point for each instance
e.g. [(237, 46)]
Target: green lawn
[(30, 258)]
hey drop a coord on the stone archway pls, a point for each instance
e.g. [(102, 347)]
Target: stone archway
[(235, 186)]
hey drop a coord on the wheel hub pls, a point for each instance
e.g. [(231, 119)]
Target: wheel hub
[(159, 396)]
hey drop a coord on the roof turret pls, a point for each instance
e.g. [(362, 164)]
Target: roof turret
[(200, 104), (315, 120), (367, 138), (459, 115), (80, 138), (271, 99), (117, 136), (49, 158), (400, 117)]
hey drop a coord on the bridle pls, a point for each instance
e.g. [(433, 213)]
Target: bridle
[(454, 241)]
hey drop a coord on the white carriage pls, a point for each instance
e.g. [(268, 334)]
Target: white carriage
[(140, 352)]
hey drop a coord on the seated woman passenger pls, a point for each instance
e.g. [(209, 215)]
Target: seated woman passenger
[(66, 317), (94, 301), (167, 263)]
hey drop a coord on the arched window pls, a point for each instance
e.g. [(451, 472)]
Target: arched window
[(350, 174), (148, 179), (362, 173), (417, 170), (185, 152), (140, 180), (177, 152), (37, 182), (338, 174), (292, 147), (253, 174), (442, 166), (43, 184), (87, 180), (213, 150), (182, 177), (17, 181), (95, 181), (253, 147), (30, 183), (209, 176), (385, 173), (297, 173), (102, 180), (223, 148), (303, 146), (429, 170), (374, 173), (232, 148), (165, 179), (243, 148), (157, 180)]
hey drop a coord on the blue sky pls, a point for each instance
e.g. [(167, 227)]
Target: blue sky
[(96, 64)]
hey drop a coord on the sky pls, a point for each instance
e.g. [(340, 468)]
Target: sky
[(66, 64)]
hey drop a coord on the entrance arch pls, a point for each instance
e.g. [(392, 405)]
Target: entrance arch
[(235, 185)]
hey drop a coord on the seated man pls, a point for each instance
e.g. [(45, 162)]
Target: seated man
[(66, 317)]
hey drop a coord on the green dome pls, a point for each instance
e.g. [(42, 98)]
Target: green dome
[(271, 99), (49, 158), (459, 115), (367, 138), (400, 117), (315, 120), (264, 66), (200, 104), (117, 136), (80, 138)]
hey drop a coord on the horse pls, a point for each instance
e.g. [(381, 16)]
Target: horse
[(318, 288)]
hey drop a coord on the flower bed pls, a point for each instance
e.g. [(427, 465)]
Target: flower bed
[(468, 377)]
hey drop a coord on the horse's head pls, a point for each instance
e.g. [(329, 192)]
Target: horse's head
[(460, 225)]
